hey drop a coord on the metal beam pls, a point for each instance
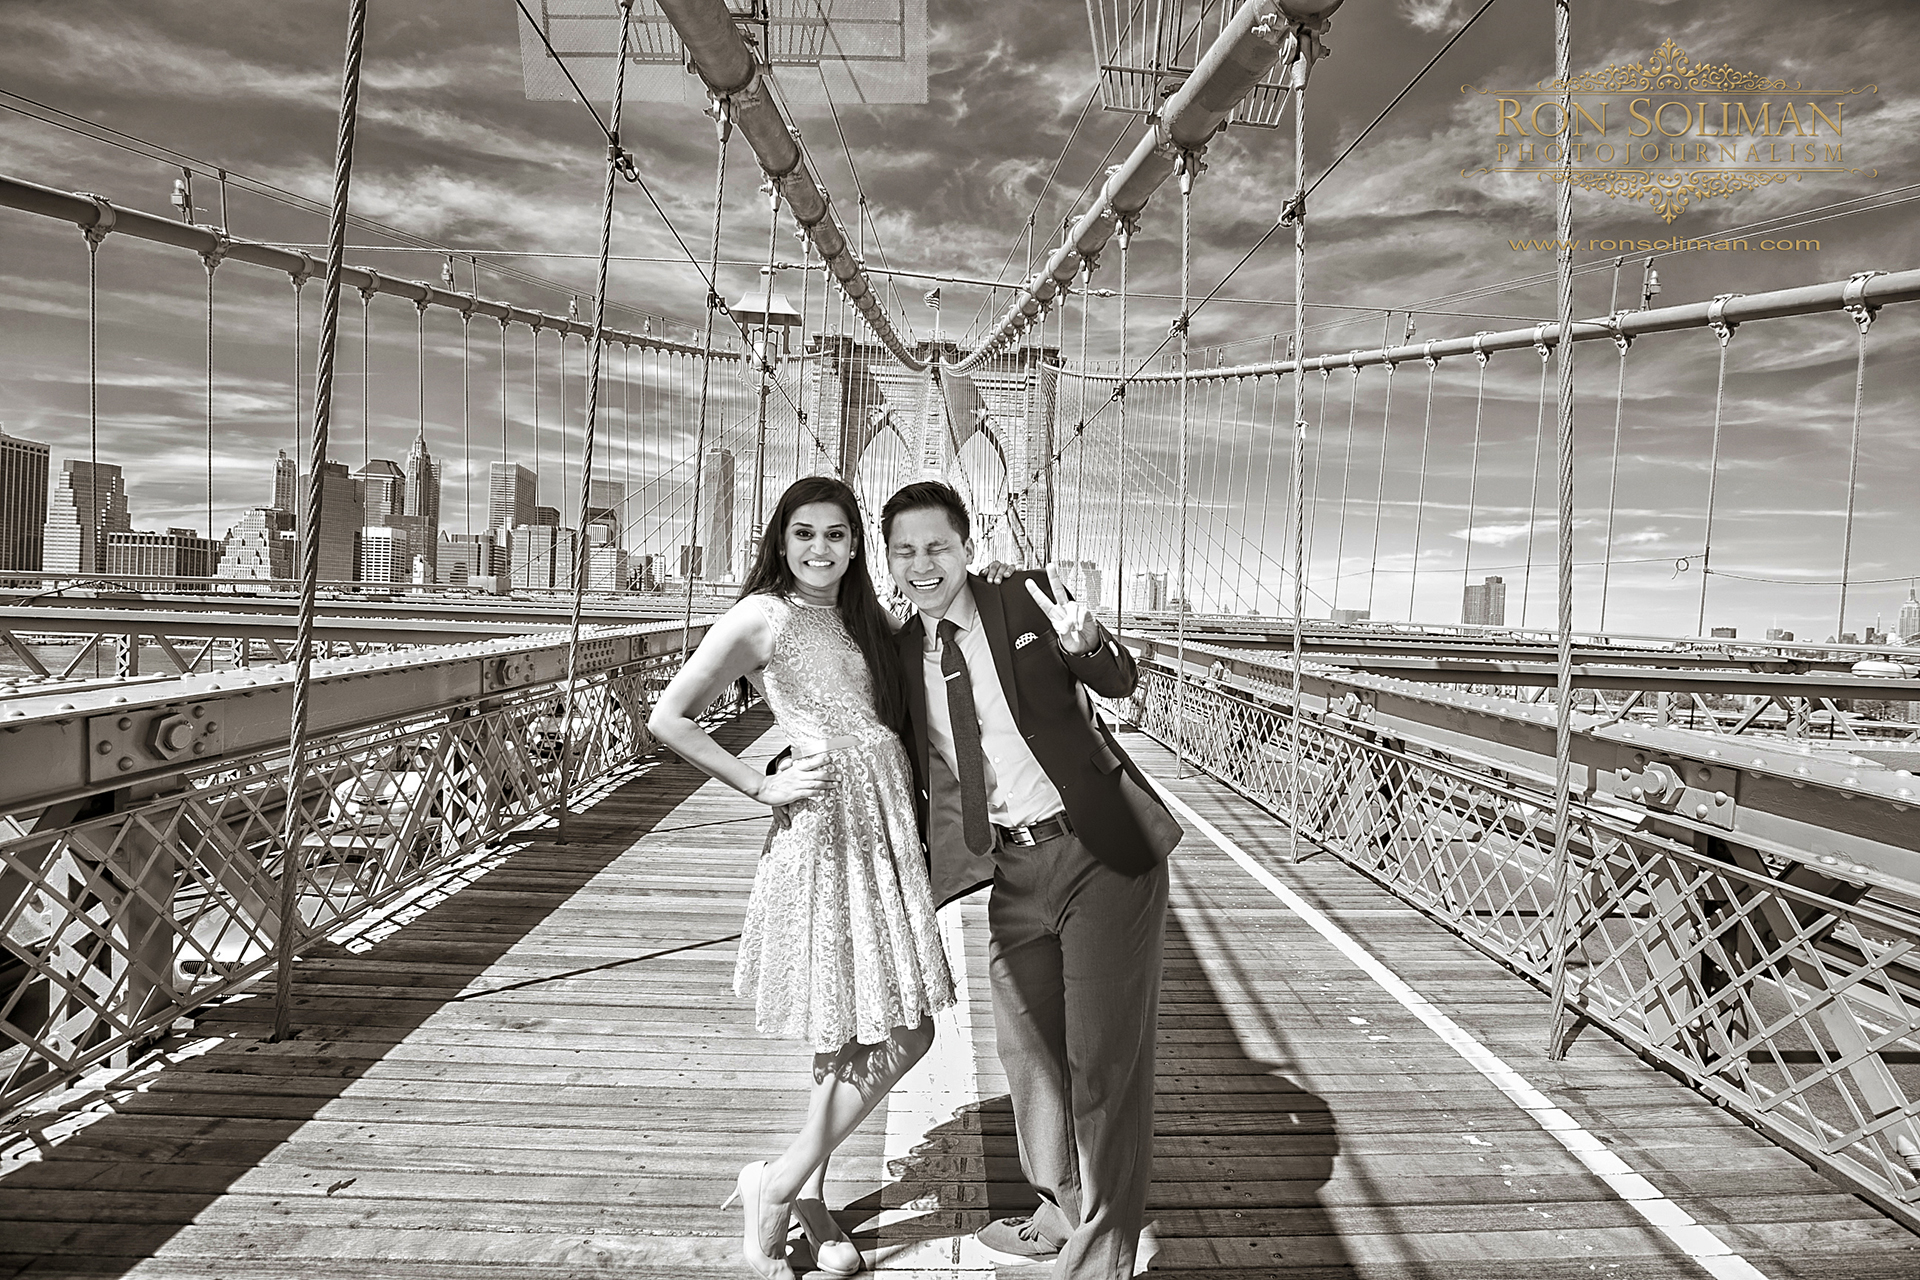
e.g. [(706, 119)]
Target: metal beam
[(73, 743)]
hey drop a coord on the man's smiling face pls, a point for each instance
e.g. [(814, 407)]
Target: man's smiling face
[(928, 558)]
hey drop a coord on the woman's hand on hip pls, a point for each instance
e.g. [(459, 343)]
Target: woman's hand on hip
[(809, 778)]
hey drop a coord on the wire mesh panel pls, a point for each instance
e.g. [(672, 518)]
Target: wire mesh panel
[(1794, 999), (118, 917), (872, 51), (1146, 49)]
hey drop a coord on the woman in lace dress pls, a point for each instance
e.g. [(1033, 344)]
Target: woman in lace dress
[(840, 946)]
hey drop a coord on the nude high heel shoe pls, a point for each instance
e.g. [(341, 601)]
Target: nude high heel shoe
[(750, 1190), (833, 1253)]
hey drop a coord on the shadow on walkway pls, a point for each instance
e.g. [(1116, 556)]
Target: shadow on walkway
[(116, 1193)]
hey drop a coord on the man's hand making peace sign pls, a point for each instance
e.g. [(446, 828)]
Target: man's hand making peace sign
[(1073, 621)]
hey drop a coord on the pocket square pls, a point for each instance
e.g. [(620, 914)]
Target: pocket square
[(1025, 640)]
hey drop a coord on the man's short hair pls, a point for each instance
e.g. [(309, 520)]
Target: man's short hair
[(920, 495)]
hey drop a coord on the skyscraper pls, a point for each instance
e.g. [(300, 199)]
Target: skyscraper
[(386, 554), (1909, 624), (341, 515), (23, 502), (716, 502), (423, 499), (509, 496), (286, 482), (88, 503), (1149, 592), (1486, 604), (162, 555), (608, 509), (261, 546), (383, 490)]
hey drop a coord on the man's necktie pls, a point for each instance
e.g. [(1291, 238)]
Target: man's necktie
[(970, 761)]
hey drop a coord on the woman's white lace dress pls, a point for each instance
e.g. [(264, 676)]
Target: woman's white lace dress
[(840, 941)]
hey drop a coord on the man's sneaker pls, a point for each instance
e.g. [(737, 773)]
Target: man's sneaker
[(1016, 1240)]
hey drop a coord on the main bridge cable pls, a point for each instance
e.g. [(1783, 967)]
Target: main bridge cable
[(310, 534)]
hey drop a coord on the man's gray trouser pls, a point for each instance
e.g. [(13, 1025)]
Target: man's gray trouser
[(1075, 958)]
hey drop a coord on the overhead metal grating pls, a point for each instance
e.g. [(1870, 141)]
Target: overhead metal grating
[(871, 51), (1146, 49)]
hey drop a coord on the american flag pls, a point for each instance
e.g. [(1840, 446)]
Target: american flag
[(933, 297)]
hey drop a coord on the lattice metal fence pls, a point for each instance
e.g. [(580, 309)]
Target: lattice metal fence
[(124, 916), (1793, 999)]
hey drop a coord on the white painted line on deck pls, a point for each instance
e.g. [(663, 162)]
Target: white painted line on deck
[(927, 1097), (1676, 1224)]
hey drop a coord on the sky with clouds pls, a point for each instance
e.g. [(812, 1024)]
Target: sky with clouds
[(452, 149)]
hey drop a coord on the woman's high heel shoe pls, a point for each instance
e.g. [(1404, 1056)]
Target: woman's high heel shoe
[(833, 1253), (750, 1190)]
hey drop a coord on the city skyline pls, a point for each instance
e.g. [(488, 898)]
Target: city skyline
[(452, 150)]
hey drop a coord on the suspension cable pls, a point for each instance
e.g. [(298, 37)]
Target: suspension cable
[(723, 124), (583, 559), (310, 535), (212, 259), (1346, 463), (1862, 314), (1420, 502), (1124, 234), (1722, 330), (1480, 358), (95, 559), (1186, 165), (1380, 482), (1540, 349), (1563, 677), (1297, 480), (1621, 340), (366, 375)]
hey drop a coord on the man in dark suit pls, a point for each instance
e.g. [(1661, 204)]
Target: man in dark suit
[(1020, 786)]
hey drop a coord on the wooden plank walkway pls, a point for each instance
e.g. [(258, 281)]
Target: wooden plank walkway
[(546, 1074)]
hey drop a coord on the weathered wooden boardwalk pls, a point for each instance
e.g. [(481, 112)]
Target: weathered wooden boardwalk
[(546, 1074)]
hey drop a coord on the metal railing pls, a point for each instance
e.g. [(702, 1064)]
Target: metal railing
[(123, 907), (1782, 982)]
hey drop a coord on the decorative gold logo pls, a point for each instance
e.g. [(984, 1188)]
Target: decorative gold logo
[(1618, 134)]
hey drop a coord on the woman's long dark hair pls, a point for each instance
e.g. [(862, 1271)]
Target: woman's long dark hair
[(859, 608)]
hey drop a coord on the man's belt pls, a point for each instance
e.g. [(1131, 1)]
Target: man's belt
[(1036, 832)]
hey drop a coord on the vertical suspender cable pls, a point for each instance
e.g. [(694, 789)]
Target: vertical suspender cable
[(1187, 163), (1716, 317), (1380, 482), (212, 259), (1124, 234), (1545, 353), (534, 387), (1621, 340), (310, 532), (95, 559), (1420, 502), (1346, 465), (1319, 448), (596, 344), (1080, 433), (366, 376), (299, 279), (466, 422), (1563, 680), (1296, 485), (1473, 473), (1862, 312), (723, 124), (512, 489)]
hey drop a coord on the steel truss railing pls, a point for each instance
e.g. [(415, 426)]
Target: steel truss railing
[(122, 909), (1791, 998)]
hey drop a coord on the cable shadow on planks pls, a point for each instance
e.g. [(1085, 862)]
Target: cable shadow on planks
[(114, 1195)]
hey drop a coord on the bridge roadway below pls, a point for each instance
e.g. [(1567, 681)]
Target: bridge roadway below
[(547, 1073)]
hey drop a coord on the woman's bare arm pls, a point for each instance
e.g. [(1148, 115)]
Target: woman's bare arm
[(738, 644)]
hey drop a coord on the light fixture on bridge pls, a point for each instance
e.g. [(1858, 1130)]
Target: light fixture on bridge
[(757, 310)]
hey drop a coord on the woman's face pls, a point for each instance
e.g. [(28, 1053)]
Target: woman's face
[(819, 547)]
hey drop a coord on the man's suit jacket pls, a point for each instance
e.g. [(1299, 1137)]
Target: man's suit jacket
[(1113, 809)]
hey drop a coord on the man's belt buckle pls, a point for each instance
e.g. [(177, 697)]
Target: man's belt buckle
[(1035, 832)]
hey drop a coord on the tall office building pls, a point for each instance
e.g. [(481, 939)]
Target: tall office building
[(1149, 592), (286, 482), (716, 506), (386, 554), (548, 516), (606, 568), (608, 511), (509, 496), (1486, 604), (543, 557), (1909, 625), (463, 556), (341, 515), (1082, 580), (88, 503), (423, 500), (383, 490), (262, 546), (23, 502), (181, 552)]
